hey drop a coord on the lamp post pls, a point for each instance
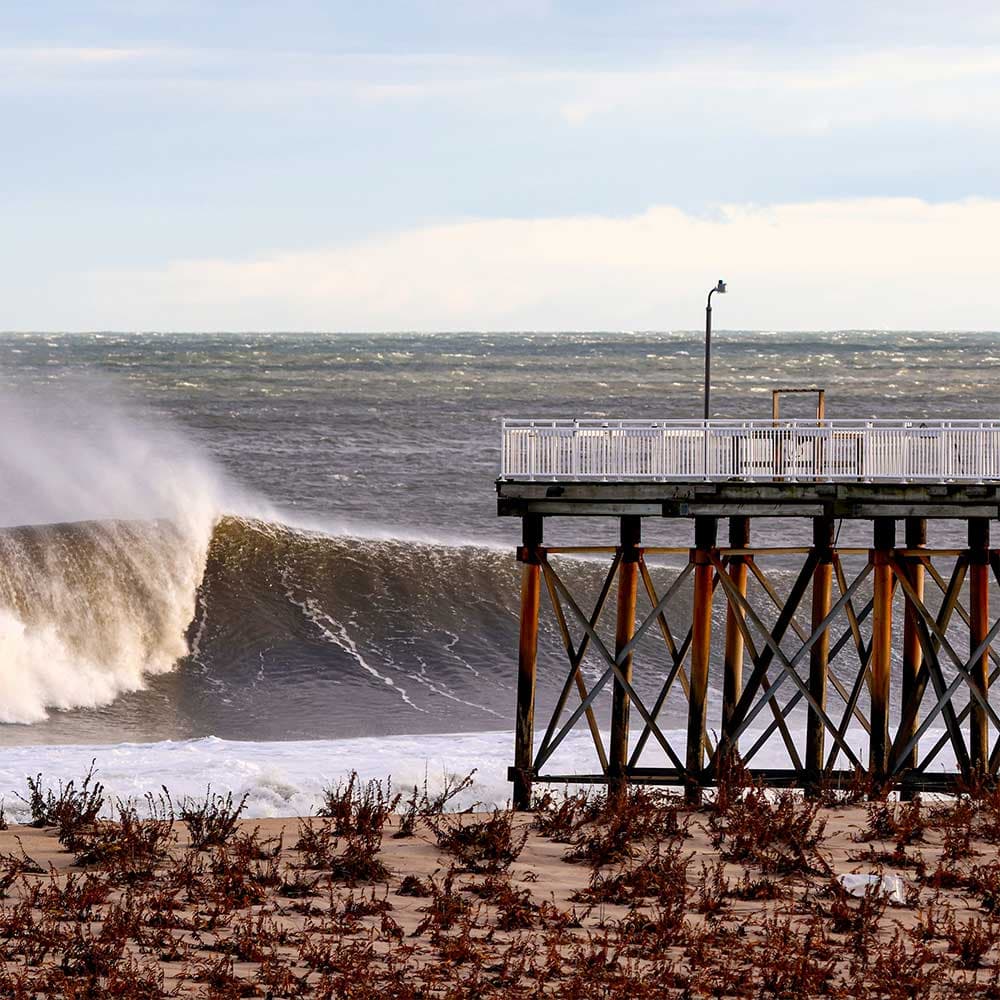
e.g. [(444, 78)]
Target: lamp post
[(721, 288)]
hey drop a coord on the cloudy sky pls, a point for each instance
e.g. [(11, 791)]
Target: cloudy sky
[(510, 164)]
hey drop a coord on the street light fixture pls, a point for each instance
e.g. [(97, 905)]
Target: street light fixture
[(721, 288)]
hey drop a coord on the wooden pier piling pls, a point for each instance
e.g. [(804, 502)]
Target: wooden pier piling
[(979, 626), (628, 589), (884, 543), (915, 538), (530, 555), (732, 680), (705, 533), (819, 654)]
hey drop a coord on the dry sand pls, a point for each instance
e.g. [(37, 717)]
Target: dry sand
[(233, 933)]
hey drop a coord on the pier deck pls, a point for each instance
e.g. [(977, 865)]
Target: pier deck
[(860, 500), (894, 642)]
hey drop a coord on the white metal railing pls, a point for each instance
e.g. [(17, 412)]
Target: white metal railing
[(753, 450)]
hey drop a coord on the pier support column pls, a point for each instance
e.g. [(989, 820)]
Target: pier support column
[(979, 627), (732, 683), (913, 654), (885, 542), (819, 654), (705, 529), (530, 555), (628, 588)]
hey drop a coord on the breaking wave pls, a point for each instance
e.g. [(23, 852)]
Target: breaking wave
[(99, 583)]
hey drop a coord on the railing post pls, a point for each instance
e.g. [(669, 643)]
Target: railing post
[(628, 585), (819, 653), (913, 654), (979, 627), (530, 555), (705, 529), (885, 542)]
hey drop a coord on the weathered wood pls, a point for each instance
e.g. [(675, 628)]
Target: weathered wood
[(788, 672), (979, 625), (761, 663), (701, 651), (730, 731), (613, 670), (735, 499), (916, 542), (940, 641), (933, 676), (527, 658), (732, 683), (885, 541), (822, 592), (628, 584), (678, 654), (932, 638), (576, 658)]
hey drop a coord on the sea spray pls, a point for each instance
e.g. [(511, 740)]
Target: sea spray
[(110, 514)]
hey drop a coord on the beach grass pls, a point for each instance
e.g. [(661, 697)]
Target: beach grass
[(381, 895)]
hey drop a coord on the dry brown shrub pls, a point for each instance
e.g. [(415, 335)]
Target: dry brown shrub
[(970, 940), (615, 827), (777, 831), (212, 820), (351, 859), (358, 810), (421, 804), (489, 845)]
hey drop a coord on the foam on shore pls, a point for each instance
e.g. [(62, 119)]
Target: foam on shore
[(287, 778)]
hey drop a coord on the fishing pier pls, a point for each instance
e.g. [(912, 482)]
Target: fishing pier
[(892, 640)]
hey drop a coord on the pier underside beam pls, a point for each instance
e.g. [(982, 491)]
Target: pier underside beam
[(979, 624)]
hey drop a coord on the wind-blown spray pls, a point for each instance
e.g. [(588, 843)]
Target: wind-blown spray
[(108, 515)]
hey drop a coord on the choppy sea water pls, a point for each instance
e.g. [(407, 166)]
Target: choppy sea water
[(261, 539)]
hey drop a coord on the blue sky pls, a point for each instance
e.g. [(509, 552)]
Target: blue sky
[(181, 165)]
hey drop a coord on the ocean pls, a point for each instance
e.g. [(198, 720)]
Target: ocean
[(262, 560)]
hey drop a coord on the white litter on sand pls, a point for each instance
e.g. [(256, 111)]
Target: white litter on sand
[(890, 886)]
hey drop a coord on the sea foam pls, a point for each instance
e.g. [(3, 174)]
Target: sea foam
[(287, 778)]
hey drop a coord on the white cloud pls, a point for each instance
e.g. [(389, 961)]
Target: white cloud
[(871, 263), (766, 87), (788, 92), (68, 57)]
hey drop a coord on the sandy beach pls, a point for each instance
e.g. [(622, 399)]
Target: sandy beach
[(583, 898)]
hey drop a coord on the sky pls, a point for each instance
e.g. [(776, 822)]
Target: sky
[(510, 164)]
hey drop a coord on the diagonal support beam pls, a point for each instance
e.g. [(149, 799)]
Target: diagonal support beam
[(613, 670), (677, 653), (788, 665), (761, 664), (963, 667), (575, 660), (908, 734), (778, 722)]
